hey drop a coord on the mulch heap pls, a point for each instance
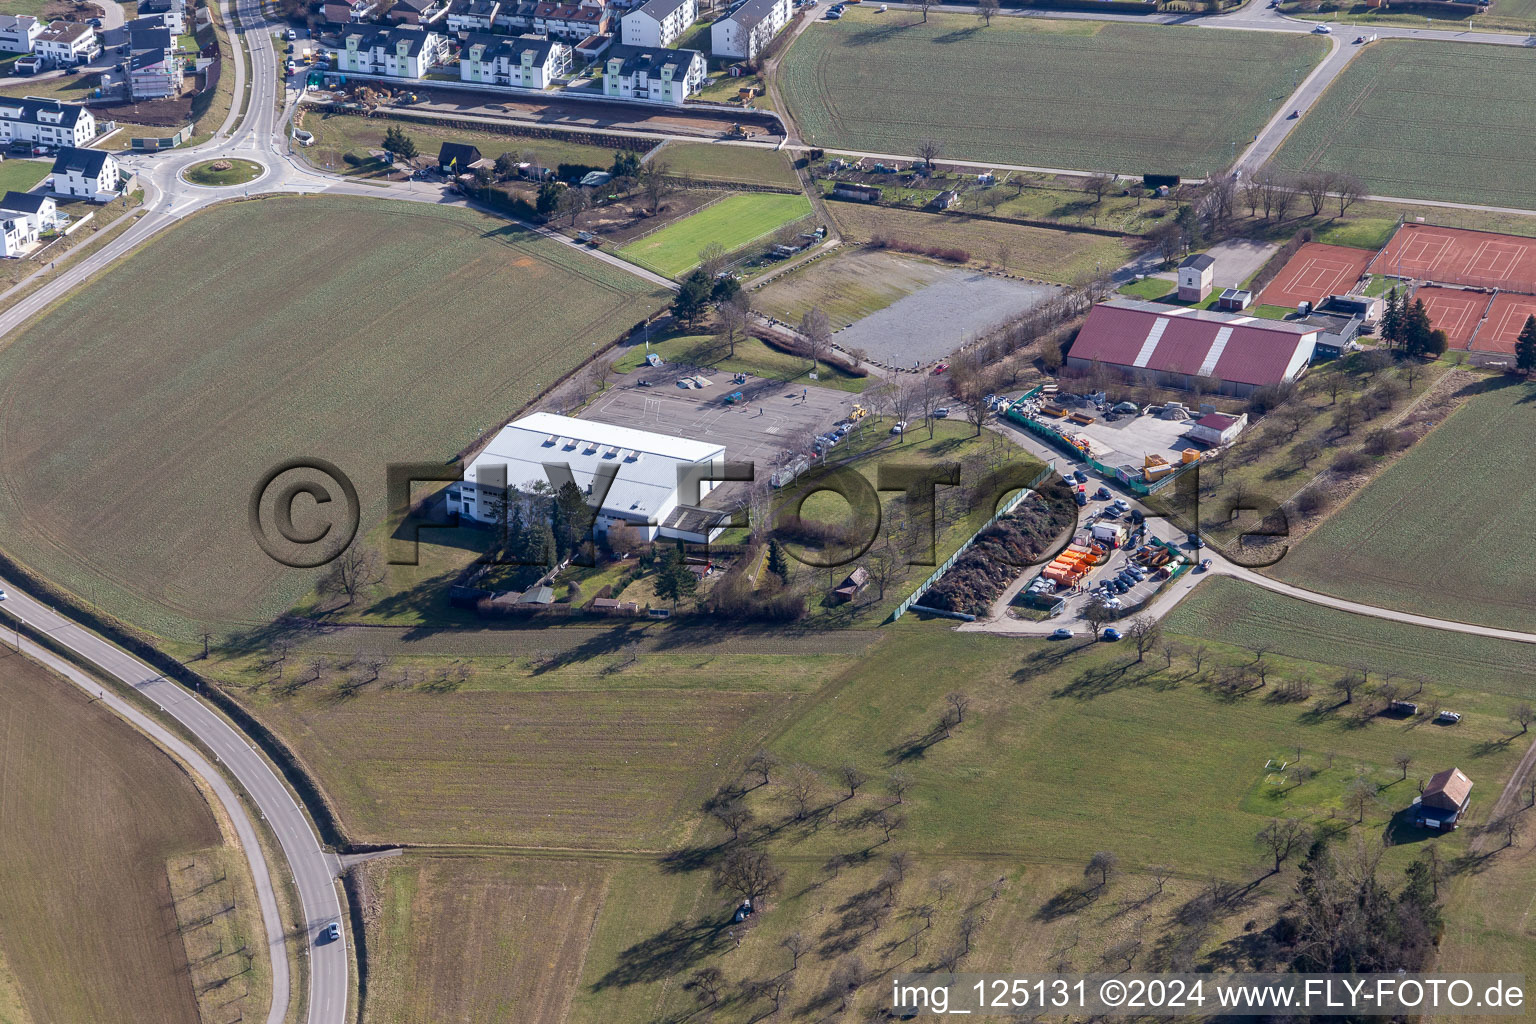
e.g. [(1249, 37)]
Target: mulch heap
[(1004, 550)]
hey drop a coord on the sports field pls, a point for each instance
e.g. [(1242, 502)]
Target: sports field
[(93, 817), (1439, 532), (140, 416), (1400, 118), (734, 221), (1316, 272), (1070, 94), (1506, 318), (1480, 259), (1454, 311)]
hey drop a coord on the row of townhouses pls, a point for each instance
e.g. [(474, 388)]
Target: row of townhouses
[(65, 128)]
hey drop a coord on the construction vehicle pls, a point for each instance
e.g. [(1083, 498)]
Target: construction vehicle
[(857, 413)]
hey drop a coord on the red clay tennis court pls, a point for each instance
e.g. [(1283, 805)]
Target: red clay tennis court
[(1316, 272), (1453, 311), (1506, 316), (1481, 259)]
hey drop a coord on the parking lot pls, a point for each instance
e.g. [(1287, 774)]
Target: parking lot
[(771, 421)]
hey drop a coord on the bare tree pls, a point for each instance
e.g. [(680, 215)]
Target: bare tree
[(734, 317), (1402, 759), (852, 777), (848, 976), (706, 984), (928, 149), (1522, 716), (1280, 839), (655, 183), (888, 821), (986, 10), (1103, 864), (1359, 795), (573, 202), (795, 944), (959, 703), (817, 331), (733, 814), (1316, 185), (747, 872), (712, 259), (1144, 632), (1347, 189), (1098, 184), (355, 570), (802, 783), (899, 782), (762, 764)]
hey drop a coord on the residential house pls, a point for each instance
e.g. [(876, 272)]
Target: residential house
[(85, 174), (472, 15), (347, 11), (417, 12), (175, 12), (527, 62), (40, 211), (746, 30), (45, 122), (1174, 346), (1216, 429), (67, 43), (658, 23), (569, 21), (650, 481), (17, 235), (457, 157), (1195, 277), (858, 193), (154, 74), (661, 76), (18, 32), (403, 51), (1444, 801)]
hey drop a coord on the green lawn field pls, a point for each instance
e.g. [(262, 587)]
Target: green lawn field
[(734, 221), (1397, 118), (711, 162), (1437, 532), (22, 175), (390, 332), (1071, 94)]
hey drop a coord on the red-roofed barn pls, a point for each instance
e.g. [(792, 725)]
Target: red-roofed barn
[(1174, 345)]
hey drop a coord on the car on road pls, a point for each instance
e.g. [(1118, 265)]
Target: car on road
[(3, 595), (331, 932), (1061, 634), (1322, 30), (1079, 476), (1359, 40), (1195, 541), (1111, 634)]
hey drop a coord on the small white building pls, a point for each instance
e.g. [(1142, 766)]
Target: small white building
[(658, 23), (527, 62), (45, 122), (39, 211), (661, 76), (67, 43), (1217, 429), (175, 12), (19, 32), (654, 475), (85, 174), (403, 51), (1195, 277), (745, 31)]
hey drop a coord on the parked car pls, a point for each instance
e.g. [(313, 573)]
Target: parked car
[(899, 428), (1080, 498), (1061, 634), (1102, 494), (1195, 541), (1205, 564), (1111, 634), (1079, 476), (941, 413)]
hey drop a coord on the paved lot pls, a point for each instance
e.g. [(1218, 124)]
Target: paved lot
[(931, 323), (1237, 260), (772, 420), (1133, 439)]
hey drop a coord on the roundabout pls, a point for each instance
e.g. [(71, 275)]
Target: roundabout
[(225, 172)]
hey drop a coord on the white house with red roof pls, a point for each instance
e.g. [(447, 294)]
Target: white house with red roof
[(1173, 346)]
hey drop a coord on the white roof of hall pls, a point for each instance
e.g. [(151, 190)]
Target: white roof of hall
[(646, 462)]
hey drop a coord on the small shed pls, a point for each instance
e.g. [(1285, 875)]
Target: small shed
[(456, 157), (1444, 801), (850, 587), (944, 200), (858, 193), (595, 179), (1234, 300)]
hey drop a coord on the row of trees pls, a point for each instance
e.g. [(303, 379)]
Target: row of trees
[(1406, 327)]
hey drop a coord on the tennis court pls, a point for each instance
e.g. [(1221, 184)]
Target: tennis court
[(1316, 272), (1480, 259), (1506, 316), (1453, 311)]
